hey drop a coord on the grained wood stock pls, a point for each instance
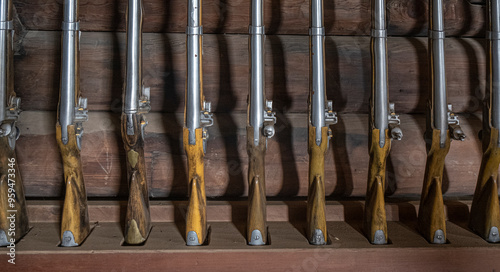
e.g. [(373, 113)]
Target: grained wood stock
[(485, 209), (11, 187), (137, 222), (256, 220), (316, 219), (431, 216), (75, 218), (375, 224), (196, 221)]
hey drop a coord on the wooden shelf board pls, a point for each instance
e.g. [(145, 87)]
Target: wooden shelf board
[(227, 251)]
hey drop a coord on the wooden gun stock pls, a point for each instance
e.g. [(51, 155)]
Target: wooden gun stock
[(316, 218), (75, 219), (137, 223), (431, 216), (375, 224), (485, 210), (11, 187), (196, 222), (256, 222)]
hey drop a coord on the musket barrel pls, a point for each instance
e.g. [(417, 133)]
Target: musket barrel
[(380, 98), (133, 85), (494, 54), (194, 87), (438, 76), (257, 12), (70, 13), (69, 69), (494, 19), (318, 91), (378, 15), (316, 13), (436, 21), (494, 15), (6, 31), (256, 98), (194, 13), (379, 67)]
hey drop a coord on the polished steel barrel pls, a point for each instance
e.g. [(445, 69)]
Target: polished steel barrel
[(194, 81), (133, 83), (494, 60), (317, 70), (257, 84), (6, 36), (380, 100), (438, 77), (69, 67)]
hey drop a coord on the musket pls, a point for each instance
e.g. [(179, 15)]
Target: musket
[(135, 106), (197, 118), (485, 211), (321, 116), (442, 126), (260, 126), (12, 200), (72, 112), (384, 127)]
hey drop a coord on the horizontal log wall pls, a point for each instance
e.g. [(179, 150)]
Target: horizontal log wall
[(225, 71), (225, 64), (342, 17), (226, 160)]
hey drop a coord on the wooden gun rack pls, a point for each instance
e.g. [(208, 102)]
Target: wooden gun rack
[(225, 62)]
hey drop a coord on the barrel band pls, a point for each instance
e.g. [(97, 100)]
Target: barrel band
[(493, 35), (434, 34), (194, 30), (73, 26), (8, 25), (379, 33), (257, 30), (317, 31)]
